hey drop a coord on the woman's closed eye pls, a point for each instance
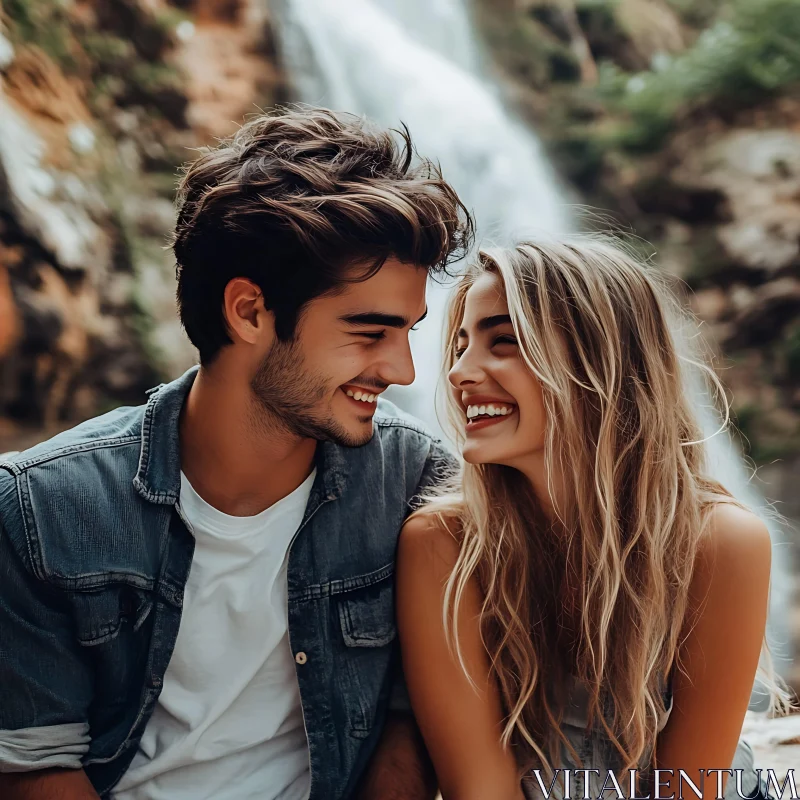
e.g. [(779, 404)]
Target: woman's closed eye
[(376, 336), (503, 339)]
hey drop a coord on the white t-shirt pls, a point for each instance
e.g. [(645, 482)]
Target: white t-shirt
[(228, 724)]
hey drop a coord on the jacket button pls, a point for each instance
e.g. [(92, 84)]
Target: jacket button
[(301, 658)]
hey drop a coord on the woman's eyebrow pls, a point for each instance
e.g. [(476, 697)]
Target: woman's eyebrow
[(487, 323)]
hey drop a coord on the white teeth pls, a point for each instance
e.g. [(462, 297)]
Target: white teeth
[(364, 397), (489, 411)]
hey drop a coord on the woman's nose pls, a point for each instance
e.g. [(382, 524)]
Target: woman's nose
[(465, 372)]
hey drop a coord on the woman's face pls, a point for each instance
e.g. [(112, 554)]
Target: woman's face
[(501, 398)]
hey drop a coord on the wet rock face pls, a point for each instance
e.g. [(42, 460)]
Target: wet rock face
[(100, 103), (756, 173), (737, 246), (62, 324)]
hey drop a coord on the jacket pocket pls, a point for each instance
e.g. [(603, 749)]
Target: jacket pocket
[(100, 615), (113, 626), (366, 615), (366, 620)]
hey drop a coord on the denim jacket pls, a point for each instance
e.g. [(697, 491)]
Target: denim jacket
[(94, 558)]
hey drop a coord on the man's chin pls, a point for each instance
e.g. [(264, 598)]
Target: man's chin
[(351, 434), (358, 437)]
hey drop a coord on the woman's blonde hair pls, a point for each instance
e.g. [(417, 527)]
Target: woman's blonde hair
[(625, 452)]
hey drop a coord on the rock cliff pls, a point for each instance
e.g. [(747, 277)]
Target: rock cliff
[(100, 104)]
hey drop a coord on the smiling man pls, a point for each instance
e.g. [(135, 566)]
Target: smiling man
[(196, 595)]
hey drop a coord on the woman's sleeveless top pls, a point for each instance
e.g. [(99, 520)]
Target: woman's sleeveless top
[(597, 752)]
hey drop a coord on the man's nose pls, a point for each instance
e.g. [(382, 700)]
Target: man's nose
[(399, 367)]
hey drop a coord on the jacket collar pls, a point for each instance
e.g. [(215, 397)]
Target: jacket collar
[(158, 477)]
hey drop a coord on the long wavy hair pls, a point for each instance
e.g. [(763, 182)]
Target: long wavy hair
[(625, 460)]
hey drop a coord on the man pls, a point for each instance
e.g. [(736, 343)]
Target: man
[(196, 595)]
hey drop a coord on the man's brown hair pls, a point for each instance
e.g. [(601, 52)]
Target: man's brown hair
[(295, 199)]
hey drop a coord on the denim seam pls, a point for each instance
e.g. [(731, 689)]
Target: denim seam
[(341, 586), (140, 482), (144, 454), (398, 422), (95, 444), (100, 580), (28, 523), (21, 502)]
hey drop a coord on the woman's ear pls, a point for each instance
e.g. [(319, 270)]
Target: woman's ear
[(247, 318)]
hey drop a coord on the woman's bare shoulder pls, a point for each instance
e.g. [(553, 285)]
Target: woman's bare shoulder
[(733, 561), (427, 534), (736, 536)]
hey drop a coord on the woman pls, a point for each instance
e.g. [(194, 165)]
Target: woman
[(584, 596)]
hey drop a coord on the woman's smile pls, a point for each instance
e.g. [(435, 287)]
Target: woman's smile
[(482, 412)]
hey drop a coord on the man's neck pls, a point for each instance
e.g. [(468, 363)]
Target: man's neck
[(235, 465)]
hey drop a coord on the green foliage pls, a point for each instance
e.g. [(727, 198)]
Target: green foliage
[(743, 51), (761, 439), (44, 23), (152, 78), (696, 13), (752, 50), (108, 52)]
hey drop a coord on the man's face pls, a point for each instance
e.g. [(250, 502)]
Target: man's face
[(347, 349)]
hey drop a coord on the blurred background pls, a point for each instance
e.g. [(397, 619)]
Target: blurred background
[(677, 119)]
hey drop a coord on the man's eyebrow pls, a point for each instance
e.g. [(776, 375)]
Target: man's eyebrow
[(379, 318), (487, 323)]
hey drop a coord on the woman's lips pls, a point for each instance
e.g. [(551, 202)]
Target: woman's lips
[(485, 422)]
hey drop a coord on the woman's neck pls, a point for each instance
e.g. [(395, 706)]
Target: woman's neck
[(535, 471)]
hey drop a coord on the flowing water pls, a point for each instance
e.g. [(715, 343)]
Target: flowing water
[(417, 61)]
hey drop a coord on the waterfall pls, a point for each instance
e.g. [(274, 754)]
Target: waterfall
[(416, 61)]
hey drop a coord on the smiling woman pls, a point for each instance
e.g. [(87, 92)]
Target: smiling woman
[(603, 600), (491, 383)]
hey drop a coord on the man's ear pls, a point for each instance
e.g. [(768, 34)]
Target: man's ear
[(247, 319)]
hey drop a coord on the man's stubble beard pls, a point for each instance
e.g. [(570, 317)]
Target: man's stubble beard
[(292, 397)]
